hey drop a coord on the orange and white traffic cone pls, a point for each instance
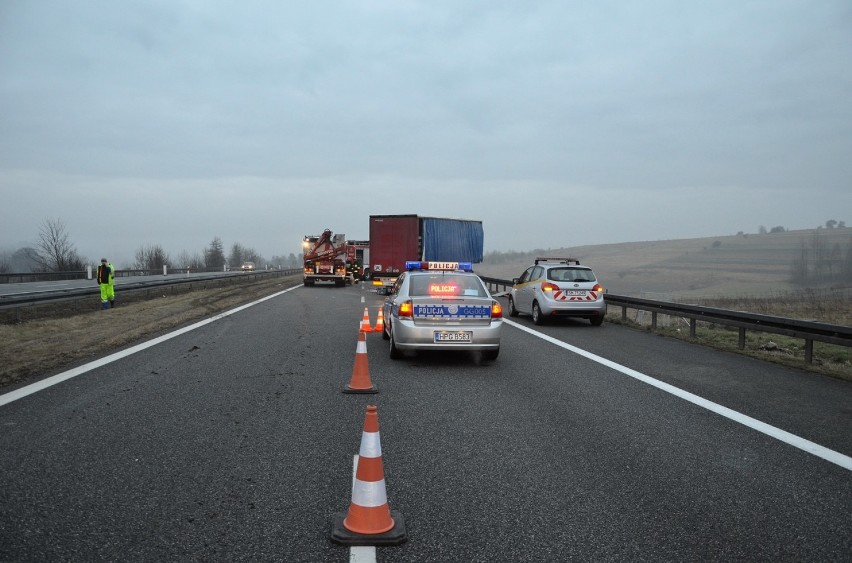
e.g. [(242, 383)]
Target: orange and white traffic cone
[(380, 322), (360, 382), (370, 521), (365, 322)]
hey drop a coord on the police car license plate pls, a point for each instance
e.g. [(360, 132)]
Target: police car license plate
[(453, 336)]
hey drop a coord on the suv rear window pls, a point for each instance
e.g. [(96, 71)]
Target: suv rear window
[(445, 285), (570, 274)]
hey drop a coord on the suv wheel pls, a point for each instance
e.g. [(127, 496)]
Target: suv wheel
[(537, 316), (512, 311)]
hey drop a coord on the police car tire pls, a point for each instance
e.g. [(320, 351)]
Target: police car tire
[(490, 355), (395, 353)]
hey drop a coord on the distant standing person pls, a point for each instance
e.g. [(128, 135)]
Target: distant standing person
[(106, 281)]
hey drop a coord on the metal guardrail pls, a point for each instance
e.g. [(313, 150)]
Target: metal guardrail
[(809, 331), (46, 297)]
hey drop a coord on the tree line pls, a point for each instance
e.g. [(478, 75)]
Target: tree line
[(817, 262), (54, 251)]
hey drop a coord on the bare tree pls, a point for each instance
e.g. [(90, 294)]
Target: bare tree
[(151, 258), (56, 253), (191, 261)]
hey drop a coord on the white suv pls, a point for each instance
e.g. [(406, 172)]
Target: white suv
[(558, 287)]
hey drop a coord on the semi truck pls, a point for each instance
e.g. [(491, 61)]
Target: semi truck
[(395, 239), (324, 258)]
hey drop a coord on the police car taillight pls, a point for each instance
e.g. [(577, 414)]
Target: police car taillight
[(406, 309), (496, 310)]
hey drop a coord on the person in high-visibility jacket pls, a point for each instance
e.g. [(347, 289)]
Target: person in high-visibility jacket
[(106, 281)]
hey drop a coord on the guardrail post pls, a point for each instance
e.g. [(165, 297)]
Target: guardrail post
[(165, 270), (809, 351), (692, 324), (654, 320), (741, 343)]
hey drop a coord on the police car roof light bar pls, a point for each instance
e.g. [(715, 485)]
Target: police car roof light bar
[(438, 266)]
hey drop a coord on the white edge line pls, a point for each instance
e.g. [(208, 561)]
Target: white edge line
[(60, 377), (782, 435)]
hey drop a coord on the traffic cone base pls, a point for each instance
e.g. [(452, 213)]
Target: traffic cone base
[(361, 382), (395, 536)]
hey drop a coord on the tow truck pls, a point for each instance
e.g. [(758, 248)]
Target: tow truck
[(324, 258)]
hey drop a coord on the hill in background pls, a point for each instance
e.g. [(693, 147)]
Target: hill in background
[(738, 265)]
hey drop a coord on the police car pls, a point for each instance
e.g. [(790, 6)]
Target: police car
[(441, 306)]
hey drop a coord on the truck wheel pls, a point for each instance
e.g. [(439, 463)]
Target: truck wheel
[(537, 316), (512, 311)]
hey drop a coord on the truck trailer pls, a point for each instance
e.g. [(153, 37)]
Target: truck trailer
[(395, 239)]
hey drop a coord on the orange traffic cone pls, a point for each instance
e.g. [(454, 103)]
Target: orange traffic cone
[(360, 382), (380, 322), (370, 520), (365, 322)]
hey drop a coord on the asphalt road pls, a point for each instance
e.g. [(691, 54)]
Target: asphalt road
[(234, 442)]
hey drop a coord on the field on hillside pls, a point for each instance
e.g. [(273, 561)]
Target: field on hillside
[(747, 265)]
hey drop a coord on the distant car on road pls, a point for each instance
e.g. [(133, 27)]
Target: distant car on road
[(558, 287), (441, 306), (247, 267)]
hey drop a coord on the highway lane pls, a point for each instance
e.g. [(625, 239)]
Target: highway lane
[(234, 442)]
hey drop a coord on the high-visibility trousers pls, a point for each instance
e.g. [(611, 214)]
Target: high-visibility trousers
[(107, 292)]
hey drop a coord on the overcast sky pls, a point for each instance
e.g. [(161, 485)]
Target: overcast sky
[(556, 123)]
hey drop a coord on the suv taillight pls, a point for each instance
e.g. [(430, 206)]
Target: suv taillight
[(547, 286), (598, 287)]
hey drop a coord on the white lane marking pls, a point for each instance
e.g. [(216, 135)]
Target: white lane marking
[(60, 377), (771, 431), (360, 553)]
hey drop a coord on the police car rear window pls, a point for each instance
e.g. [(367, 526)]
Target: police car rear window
[(571, 274), (445, 285)]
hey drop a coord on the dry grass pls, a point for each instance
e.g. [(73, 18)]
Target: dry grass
[(60, 336)]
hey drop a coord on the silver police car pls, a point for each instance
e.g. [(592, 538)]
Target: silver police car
[(441, 306), (558, 287)]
